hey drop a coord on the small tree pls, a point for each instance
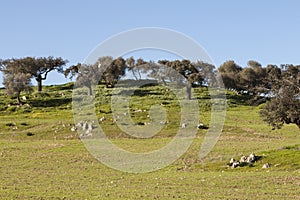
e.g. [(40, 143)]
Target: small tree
[(15, 81), (86, 75)]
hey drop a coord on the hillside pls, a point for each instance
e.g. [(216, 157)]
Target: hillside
[(38, 145)]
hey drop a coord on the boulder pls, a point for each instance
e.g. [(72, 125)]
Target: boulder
[(266, 166), (235, 164), (252, 158), (243, 159)]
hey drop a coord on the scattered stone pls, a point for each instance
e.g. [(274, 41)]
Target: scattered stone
[(183, 125), (266, 166), (163, 122), (235, 164), (85, 126), (102, 119), (79, 124), (232, 160), (252, 158), (243, 159), (201, 126), (24, 98)]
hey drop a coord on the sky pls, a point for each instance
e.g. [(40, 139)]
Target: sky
[(265, 31)]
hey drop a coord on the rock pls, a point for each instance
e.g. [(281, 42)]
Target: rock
[(183, 125), (27, 105), (24, 98), (252, 158), (235, 164), (266, 166), (73, 129), (232, 160), (85, 126), (102, 119), (79, 124), (243, 159), (201, 126), (163, 122), (90, 127)]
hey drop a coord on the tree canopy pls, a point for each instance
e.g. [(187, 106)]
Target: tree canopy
[(14, 79), (38, 68)]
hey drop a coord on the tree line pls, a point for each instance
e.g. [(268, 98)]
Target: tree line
[(279, 85)]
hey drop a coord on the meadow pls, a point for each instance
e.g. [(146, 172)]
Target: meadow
[(41, 158)]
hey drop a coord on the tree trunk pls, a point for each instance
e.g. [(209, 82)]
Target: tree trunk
[(163, 80), (39, 83), (189, 91), (90, 91), (18, 99)]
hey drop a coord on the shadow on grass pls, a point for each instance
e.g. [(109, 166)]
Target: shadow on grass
[(53, 102)]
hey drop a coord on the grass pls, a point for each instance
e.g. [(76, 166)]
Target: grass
[(41, 158)]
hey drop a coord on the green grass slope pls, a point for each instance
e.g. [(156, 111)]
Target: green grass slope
[(41, 158)]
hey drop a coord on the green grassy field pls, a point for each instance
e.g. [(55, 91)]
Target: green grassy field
[(41, 158)]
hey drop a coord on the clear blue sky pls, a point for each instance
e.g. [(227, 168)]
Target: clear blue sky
[(266, 31)]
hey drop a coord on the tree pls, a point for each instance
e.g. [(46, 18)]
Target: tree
[(208, 73), (284, 107), (136, 67), (37, 67), (87, 75), (105, 68), (40, 67), (188, 70), (131, 66), (14, 80), (114, 69), (229, 71)]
